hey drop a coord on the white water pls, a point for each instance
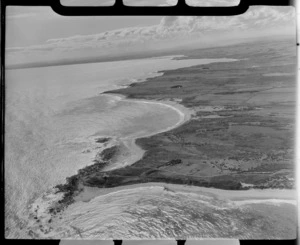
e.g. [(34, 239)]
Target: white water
[(153, 212), (53, 115)]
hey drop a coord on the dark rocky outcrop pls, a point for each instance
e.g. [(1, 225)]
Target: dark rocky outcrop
[(102, 140), (177, 86)]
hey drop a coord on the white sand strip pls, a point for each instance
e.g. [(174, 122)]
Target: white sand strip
[(240, 197)]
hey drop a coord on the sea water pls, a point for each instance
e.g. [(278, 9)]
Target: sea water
[(54, 114)]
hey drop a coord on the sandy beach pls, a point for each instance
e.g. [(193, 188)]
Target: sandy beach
[(136, 152)]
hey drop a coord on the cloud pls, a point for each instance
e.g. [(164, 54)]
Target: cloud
[(172, 31)]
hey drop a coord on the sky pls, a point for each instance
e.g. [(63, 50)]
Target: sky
[(37, 34)]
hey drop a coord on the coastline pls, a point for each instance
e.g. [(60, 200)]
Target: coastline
[(234, 144), (87, 193), (147, 172), (185, 115)]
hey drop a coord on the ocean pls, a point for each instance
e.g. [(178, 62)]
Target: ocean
[(54, 114)]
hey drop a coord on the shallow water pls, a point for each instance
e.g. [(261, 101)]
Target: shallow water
[(53, 115)]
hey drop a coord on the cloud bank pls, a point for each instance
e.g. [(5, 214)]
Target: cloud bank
[(172, 32)]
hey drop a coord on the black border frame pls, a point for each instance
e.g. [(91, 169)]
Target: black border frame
[(118, 9)]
